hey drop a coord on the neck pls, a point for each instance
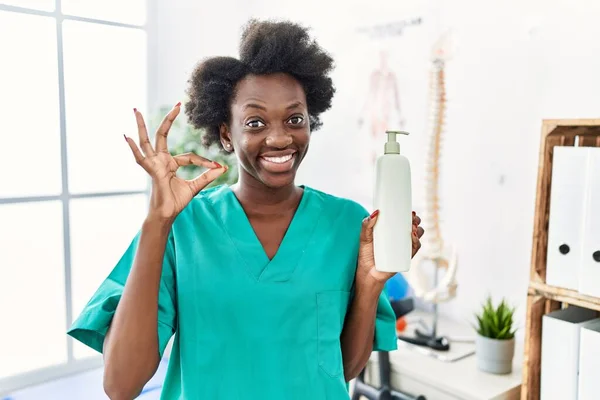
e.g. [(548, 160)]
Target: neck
[(256, 197)]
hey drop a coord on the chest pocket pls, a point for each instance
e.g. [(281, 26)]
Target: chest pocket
[(331, 311)]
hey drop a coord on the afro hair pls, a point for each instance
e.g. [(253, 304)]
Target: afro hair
[(266, 47)]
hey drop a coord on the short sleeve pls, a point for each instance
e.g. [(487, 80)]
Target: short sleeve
[(91, 325), (385, 338)]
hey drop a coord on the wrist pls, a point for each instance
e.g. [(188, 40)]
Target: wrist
[(370, 286), (154, 222)]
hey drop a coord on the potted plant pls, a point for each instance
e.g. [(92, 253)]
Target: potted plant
[(495, 341)]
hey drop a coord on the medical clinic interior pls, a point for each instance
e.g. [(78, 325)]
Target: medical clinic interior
[(267, 199)]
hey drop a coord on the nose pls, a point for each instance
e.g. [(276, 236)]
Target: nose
[(278, 138)]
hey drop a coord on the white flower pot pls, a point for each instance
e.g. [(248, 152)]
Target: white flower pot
[(493, 355)]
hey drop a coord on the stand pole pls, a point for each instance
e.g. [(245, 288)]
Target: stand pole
[(435, 304), (429, 337)]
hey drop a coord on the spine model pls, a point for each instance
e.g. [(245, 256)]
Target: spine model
[(434, 250), (431, 214)]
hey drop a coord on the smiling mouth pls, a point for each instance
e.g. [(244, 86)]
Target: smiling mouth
[(278, 164), (279, 160)]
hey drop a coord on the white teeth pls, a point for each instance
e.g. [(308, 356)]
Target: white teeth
[(279, 160)]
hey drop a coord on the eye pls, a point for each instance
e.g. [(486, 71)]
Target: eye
[(296, 120), (255, 123)]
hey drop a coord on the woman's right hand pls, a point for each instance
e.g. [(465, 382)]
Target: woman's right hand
[(170, 194)]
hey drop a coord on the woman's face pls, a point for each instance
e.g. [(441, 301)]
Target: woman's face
[(269, 128)]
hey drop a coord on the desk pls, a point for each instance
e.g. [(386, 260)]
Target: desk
[(418, 374)]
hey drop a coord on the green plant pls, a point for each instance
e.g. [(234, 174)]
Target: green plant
[(183, 138), (495, 322)]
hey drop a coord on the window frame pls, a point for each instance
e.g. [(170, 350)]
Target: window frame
[(72, 366)]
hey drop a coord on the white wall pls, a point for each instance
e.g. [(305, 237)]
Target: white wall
[(514, 63), (188, 31), (518, 62)]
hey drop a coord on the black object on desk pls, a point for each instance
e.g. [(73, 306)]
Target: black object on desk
[(385, 391), (422, 339)]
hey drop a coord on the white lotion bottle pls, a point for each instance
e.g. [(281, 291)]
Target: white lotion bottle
[(392, 235)]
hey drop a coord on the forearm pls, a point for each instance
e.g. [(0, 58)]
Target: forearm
[(131, 351), (359, 329)]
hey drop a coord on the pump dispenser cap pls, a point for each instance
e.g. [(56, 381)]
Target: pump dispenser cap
[(392, 146)]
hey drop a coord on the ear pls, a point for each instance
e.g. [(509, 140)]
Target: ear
[(225, 136)]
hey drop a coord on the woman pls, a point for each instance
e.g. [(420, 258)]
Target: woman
[(269, 288)]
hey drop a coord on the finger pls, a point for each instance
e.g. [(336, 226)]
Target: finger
[(163, 129), (416, 220), (416, 243), (417, 231), (205, 178), (137, 154), (195, 159), (366, 233), (143, 134)]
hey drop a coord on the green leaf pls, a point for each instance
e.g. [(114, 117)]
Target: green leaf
[(502, 334)]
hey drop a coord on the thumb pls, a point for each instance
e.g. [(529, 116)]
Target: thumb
[(205, 178), (366, 233)]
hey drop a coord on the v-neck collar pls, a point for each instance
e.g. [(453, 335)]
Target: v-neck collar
[(244, 238)]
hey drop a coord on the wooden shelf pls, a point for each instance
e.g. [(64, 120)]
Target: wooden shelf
[(542, 298), (564, 295)]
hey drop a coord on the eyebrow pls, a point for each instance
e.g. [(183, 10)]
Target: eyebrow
[(258, 106), (294, 105), (254, 105)]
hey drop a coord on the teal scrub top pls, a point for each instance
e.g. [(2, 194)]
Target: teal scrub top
[(247, 327)]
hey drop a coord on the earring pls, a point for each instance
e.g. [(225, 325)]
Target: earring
[(228, 146)]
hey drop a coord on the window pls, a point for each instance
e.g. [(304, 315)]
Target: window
[(71, 195)]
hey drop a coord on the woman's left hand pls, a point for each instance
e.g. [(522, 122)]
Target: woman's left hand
[(366, 258)]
